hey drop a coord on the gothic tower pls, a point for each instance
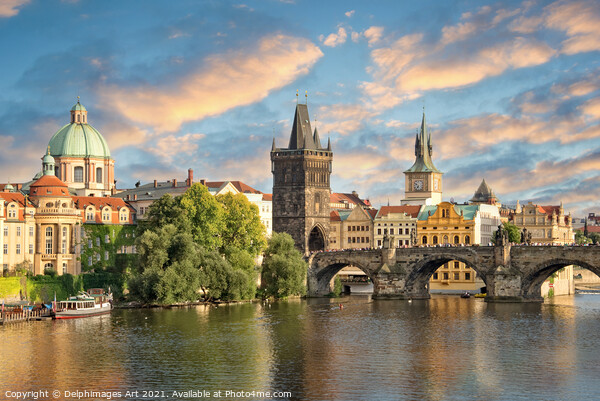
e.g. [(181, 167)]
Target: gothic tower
[(423, 182), (301, 186)]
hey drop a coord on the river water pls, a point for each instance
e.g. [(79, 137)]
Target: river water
[(445, 348)]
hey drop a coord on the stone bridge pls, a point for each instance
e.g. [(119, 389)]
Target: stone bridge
[(511, 273)]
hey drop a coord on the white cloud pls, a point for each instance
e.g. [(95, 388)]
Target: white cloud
[(350, 13), (336, 39), (373, 34)]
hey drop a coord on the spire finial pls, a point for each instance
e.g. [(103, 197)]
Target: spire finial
[(77, 99), (48, 149), (306, 96), (296, 96)]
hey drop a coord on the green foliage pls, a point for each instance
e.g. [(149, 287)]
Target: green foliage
[(242, 226), (9, 287), (591, 238), (337, 286), (284, 269), (166, 210), (101, 240), (514, 233), (205, 216)]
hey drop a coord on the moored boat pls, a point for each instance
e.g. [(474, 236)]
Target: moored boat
[(94, 302)]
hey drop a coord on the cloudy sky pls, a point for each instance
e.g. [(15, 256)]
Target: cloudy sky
[(510, 89)]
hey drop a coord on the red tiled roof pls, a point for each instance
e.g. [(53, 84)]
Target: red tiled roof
[(15, 197), (48, 181), (334, 216), (337, 197), (268, 197), (53, 187), (412, 211), (372, 212), (100, 202), (240, 186), (593, 229)]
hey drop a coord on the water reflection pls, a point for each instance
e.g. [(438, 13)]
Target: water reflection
[(442, 348)]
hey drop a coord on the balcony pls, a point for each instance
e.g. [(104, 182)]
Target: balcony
[(58, 211)]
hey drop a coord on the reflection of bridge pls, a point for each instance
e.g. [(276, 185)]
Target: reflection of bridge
[(511, 274)]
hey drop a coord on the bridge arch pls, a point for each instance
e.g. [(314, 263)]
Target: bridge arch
[(532, 283), (418, 279), (316, 238), (325, 265)]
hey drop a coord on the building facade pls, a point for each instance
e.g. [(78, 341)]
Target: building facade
[(301, 185), (351, 228), (547, 224), (397, 222)]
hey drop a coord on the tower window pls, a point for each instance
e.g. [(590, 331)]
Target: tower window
[(99, 175), (78, 174)]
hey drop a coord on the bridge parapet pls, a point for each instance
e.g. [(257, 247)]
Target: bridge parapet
[(511, 273)]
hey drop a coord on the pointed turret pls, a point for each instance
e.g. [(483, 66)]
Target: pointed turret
[(273, 147), (316, 139), (484, 194), (302, 135), (423, 151), (329, 144)]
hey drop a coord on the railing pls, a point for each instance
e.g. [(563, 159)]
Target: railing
[(58, 210), (24, 315)]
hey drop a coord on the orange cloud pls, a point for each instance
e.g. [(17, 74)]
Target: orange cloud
[(10, 8), (581, 22), (223, 82), (373, 34), (592, 108), (342, 118)]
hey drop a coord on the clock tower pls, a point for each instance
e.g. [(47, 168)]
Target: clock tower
[(423, 182)]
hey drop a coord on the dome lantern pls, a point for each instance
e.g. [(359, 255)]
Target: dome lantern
[(78, 113)]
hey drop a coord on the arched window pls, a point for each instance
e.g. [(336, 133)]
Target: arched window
[(99, 175), (49, 240), (456, 239), (123, 215), (424, 240), (106, 214), (78, 174), (467, 239), (65, 233), (48, 266), (435, 240), (445, 239)]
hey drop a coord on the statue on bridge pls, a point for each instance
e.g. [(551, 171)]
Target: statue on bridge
[(413, 237), (502, 236), (526, 237)]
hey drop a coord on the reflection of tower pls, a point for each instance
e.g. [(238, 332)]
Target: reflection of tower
[(83, 160), (423, 181), (301, 186)]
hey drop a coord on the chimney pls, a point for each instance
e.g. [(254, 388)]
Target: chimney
[(190, 179), (203, 181), (174, 182), (155, 183)]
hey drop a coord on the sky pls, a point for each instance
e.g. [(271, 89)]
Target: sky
[(510, 90)]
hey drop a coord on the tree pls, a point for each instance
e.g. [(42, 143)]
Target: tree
[(242, 226), (581, 238), (205, 215), (166, 210), (514, 233), (283, 269)]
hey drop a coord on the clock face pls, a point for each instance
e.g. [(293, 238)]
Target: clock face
[(418, 185)]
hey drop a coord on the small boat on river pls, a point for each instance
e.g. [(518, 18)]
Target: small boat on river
[(466, 295), (94, 302)]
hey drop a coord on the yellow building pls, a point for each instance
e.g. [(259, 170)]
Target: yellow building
[(448, 224), (351, 228)]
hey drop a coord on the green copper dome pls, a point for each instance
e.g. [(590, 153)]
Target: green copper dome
[(78, 107), (79, 139)]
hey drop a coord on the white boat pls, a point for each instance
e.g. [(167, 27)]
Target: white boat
[(94, 302)]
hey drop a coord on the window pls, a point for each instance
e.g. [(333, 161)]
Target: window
[(456, 239), (49, 240), (78, 174), (379, 231), (106, 239), (467, 276), (424, 240), (105, 255), (457, 265), (445, 276), (5, 249), (6, 231), (467, 239), (18, 249), (435, 276), (31, 231), (48, 266), (12, 213), (89, 260), (97, 241), (106, 214), (99, 175), (89, 215), (64, 267), (456, 276), (31, 249), (18, 231), (123, 216), (406, 232), (435, 240), (89, 243), (391, 231)]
